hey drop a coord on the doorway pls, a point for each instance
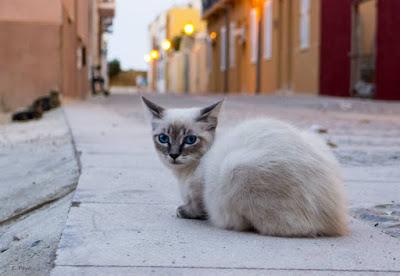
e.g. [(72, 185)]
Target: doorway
[(363, 48)]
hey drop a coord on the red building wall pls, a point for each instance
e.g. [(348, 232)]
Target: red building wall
[(335, 47), (388, 50)]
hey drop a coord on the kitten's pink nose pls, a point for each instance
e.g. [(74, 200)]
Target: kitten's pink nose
[(174, 155)]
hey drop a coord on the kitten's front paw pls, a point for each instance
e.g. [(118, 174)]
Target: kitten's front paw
[(185, 213), (182, 213)]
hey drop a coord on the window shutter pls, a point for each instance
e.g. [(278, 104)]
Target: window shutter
[(232, 46), (304, 24), (268, 29), (223, 49), (253, 35)]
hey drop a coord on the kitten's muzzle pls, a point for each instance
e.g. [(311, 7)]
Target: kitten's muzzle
[(174, 155)]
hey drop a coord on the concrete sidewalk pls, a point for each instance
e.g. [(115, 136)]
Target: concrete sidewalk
[(39, 171), (122, 220)]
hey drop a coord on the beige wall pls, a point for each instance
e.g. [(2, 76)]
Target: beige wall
[(305, 62), (68, 53), (217, 77), (30, 60), (176, 72), (41, 40), (241, 76), (83, 27), (69, 7), (48, 11), (83, 20), (270, 68), (199, 72)]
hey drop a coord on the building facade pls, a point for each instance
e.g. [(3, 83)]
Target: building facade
[(360, 48), (331, 47), (263, 46), (169, 70), (50, 45)]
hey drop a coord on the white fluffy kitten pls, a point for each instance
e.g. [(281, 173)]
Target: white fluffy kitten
[(262, 175)]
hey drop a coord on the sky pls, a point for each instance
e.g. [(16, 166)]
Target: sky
[(130, 39)]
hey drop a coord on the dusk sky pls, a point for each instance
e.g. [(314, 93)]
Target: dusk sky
[(130, 40)]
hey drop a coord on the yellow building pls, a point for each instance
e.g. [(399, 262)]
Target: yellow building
[(166, 33), (178, 17), (264, 46)]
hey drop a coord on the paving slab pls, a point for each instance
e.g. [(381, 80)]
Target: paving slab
[(28, 244), (196, 271), (110, 185)]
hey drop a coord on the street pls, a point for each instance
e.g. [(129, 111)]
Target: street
[(122, 220)]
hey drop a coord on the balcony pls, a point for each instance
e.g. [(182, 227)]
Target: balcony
[(212, 6), (107, 8)]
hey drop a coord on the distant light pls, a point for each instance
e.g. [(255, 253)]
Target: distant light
[(166, 45), (188, 29), (147, 58), (154, 54), (213, 35)]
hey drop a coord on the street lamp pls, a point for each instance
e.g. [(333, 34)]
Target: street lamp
[(188, 29), (213, 36), (166, 45), (154, 54), (147, 58)]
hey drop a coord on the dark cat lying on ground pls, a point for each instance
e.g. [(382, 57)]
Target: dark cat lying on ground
[(35, 111)]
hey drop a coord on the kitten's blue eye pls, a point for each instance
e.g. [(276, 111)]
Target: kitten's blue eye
[(190, 139), (163, 138)]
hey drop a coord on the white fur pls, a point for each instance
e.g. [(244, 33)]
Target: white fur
[(267, 175)]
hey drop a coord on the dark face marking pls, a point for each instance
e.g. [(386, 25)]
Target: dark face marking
[(176, 145)]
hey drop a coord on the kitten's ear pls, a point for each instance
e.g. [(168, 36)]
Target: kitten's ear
[(155, 110), (210, 114)]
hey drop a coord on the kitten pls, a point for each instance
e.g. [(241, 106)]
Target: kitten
[(262, 175)]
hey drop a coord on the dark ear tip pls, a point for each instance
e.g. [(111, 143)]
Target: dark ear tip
[(144, 99)]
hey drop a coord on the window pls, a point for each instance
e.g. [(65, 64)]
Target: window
[(253, 35), (268, 29), (304, 24), (232, 44), (223, 49)]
